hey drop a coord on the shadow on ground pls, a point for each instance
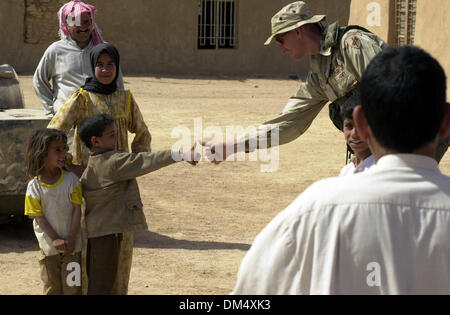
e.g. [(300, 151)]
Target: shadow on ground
[(17, 237), (20, 238), (148, 239)]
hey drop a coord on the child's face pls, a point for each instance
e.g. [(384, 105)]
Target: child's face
[(353, 140), (56, 154), (105, 69), (108, 139)]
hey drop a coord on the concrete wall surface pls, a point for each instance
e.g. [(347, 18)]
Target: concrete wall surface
[(433, 32), (160, 36), (377, 16)]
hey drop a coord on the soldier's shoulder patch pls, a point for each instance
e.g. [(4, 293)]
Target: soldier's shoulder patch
[(353, 42)]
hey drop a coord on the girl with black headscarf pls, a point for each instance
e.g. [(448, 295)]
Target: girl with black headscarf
[(93, 84), (95, 97)]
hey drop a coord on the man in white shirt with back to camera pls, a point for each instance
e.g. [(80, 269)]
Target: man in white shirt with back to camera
[(385, 231)]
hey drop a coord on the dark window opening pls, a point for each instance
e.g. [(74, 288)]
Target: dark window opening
[(216, 24)]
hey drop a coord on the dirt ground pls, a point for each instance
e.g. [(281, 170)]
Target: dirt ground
[(203, 219)]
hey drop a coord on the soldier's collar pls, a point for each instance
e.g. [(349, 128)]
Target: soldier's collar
[(330, 38), (324, 51)]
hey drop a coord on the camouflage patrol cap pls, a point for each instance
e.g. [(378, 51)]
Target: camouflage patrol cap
[(291, 17)]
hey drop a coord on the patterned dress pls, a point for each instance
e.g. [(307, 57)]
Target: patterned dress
[(121, 105), (128, 118)]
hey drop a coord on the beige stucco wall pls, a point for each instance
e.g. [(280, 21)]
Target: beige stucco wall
[(160, 36), (13, 50), (362, 13), (433, 32)]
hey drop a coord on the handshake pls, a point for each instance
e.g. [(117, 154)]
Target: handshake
[(215, 152)]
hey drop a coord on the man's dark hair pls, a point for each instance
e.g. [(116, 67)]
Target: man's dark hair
[(403, 96), (93, 126)]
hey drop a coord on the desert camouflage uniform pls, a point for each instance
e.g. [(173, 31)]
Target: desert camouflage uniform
[(335, 73)]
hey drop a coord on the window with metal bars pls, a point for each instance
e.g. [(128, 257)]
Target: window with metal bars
[(405, 21), (216, 24)]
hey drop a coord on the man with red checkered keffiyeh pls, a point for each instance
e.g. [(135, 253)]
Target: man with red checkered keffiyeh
[(65, 64)]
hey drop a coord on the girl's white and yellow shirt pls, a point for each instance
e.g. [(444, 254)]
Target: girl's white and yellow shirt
[(54, 202)]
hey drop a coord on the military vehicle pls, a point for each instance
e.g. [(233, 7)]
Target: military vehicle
[(16, 126)]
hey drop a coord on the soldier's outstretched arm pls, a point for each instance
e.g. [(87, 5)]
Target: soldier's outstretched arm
[(293, 121)]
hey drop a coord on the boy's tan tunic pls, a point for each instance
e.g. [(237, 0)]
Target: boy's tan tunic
[(113, 202), (111, 192)]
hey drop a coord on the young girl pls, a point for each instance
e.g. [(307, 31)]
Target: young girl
[(101, 95), (53, 198)]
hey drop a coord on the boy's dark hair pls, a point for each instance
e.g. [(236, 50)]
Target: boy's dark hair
[(93, 126), (403, 96), (349, 106)]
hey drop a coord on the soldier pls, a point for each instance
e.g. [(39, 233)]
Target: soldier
[(338, 58)]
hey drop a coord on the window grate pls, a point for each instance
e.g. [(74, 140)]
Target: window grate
[(405, 21), (216, 24)]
